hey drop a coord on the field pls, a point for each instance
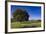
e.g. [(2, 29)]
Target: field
[(26, 24)]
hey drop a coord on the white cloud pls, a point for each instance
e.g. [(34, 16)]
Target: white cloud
[(29, 17)]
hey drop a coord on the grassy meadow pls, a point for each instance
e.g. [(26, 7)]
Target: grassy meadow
[(26, 24)]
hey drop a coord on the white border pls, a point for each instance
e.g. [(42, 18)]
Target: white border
[(24, 29)]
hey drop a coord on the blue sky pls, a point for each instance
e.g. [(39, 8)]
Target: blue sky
[(33, 11)]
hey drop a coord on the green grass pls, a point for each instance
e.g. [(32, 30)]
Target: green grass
[(25, 23)]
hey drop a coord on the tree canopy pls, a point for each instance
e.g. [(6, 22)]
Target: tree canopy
[(20, 15)]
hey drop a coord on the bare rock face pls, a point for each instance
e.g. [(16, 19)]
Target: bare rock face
[(21, 15)]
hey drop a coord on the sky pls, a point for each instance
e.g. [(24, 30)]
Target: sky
[(33, 11)]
